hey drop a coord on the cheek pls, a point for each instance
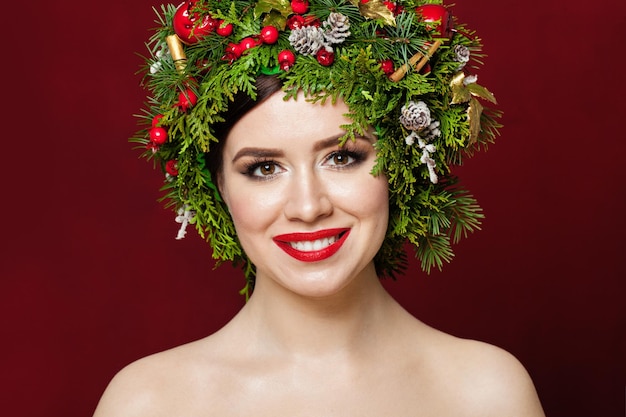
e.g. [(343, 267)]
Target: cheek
[(368, 197), (252, 208)]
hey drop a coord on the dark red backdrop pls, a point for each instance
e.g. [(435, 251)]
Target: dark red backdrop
[(92, 278)]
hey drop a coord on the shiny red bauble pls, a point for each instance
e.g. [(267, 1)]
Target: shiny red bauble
[(439, 16), (187, 99), (158, 135), (269, 34), (325, 58), (299, 6), (248, 43), (189, 25), (295, 22), (171, 167), (232, 52), (286, 59), (224, 29), (156, 120)]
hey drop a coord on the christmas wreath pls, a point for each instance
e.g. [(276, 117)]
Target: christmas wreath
[(405, 69)]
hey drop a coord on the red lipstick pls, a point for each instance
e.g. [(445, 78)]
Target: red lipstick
[(302, 246)]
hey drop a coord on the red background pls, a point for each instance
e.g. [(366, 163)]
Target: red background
[(92, 277)]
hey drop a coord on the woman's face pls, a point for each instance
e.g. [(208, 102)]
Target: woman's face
[(309, 214)]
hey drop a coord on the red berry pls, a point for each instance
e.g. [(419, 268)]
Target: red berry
[(247, 43), (187, 99), (325, 58), (286, 59), (234, 49), (224, 29), (171, 167), (299, 6), (269, 34), (156, 120), (390, 5), (158, 135), (387, 66), (295, 22)]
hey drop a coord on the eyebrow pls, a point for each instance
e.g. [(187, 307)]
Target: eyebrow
[(277, 153)]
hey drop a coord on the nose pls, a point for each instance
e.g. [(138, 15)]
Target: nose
[(308, 199)]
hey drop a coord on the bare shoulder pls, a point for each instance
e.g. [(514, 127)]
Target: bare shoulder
[(489, 380), (153, 386)]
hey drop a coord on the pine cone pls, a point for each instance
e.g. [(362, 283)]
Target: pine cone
[(461, 55), (431, 131), (337, 28), (307, 40), (415, 116)]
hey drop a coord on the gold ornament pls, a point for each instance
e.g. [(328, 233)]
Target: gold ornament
[(177, 52), (463, 93), (375, 9), (474, 111)]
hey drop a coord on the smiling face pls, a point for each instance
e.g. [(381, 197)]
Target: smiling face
[(308, 214)]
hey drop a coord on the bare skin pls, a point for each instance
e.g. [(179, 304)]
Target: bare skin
[(322, 338)]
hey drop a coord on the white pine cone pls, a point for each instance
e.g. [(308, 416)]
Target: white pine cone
[(337, 28), (461, 55), (307, 40), (431, 131), (415, 116)]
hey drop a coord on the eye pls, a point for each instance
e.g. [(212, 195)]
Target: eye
[(341, 158), (267, 168), (344, 158), (262, 169)]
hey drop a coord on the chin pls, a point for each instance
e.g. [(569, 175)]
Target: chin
[(324, 283)]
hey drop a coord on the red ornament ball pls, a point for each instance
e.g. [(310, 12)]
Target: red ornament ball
[(390, 5), (286, 59), (158, 135), (295, 22), (269, 34), (187, 99), (232, 52), (325, 58), (224, 29), (189, 25), (439, 17), (156, 120), (387, 66), (171, 167), (299, 6), (247, 43)]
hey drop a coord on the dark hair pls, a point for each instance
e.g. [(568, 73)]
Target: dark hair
[(266, 85)]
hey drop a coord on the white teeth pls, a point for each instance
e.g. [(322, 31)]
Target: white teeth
[(313, 245)]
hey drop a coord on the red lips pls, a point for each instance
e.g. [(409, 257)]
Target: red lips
[(287, 242)]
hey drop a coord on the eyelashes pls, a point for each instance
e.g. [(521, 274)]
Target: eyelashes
[(266, 168)]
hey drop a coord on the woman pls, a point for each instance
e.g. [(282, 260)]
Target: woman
[(311, 196)]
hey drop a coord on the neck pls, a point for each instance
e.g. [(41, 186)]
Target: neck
[(290, 324)]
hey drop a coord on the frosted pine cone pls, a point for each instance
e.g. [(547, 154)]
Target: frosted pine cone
[(415, 116), (336, 28), (307, 40), (461, 55), (431, 131)]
